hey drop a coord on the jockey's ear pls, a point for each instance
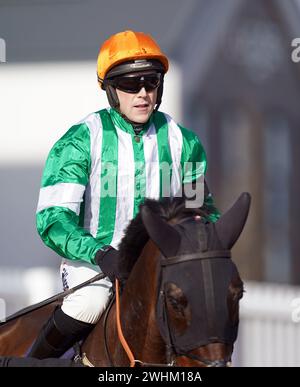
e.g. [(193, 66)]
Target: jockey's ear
[(163, 234), (231, 224)]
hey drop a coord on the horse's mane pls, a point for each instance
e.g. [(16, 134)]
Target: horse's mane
[(136, 235)]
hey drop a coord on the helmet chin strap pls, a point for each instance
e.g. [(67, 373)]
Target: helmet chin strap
[(115, 104)]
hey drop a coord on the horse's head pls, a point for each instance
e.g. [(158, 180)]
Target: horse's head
[(199, 285)]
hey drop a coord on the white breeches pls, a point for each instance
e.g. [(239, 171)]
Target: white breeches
[(88, 303)]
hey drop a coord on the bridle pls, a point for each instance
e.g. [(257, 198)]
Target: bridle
[(172, 353)]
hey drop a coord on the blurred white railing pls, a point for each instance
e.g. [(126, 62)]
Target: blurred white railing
[(269, 331), (23, 287)]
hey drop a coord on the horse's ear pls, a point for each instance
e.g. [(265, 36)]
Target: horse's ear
[(231, 224), (163, 234)]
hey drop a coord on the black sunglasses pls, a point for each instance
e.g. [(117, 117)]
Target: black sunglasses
[(134, 84)]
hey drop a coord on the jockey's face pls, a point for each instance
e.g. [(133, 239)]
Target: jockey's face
[(137, 107)]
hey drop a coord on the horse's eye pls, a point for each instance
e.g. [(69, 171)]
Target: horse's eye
[(240, 294), (179, 310), (176, 298), (235, 293)]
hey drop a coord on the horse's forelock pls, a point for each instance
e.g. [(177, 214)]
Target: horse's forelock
[(173, 208)]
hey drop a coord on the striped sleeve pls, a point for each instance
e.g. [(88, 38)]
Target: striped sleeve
[(193, 157), (194, 166), (65, 177)]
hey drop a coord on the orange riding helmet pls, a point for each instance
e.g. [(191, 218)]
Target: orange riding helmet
[(127, 52), (128, 46)]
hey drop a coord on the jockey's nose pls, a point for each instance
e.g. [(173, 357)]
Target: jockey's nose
[(142, 92)]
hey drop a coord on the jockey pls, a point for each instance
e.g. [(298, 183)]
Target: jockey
[(98, 174)]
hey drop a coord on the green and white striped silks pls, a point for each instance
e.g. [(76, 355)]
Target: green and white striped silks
[(99, 172)]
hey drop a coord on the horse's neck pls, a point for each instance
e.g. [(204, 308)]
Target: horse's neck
[(140, 290), (138, 305)]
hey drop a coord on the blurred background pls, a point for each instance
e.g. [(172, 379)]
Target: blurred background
[(232, 81)]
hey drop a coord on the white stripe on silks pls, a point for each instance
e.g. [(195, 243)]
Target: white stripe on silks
[(125, 186), (92, 203), (151, 164), (175, 141), (67, 195)]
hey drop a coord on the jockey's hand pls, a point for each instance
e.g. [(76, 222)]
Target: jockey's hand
[(108, 259)]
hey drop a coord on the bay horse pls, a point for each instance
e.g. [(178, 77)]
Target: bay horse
[(180, 304)]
